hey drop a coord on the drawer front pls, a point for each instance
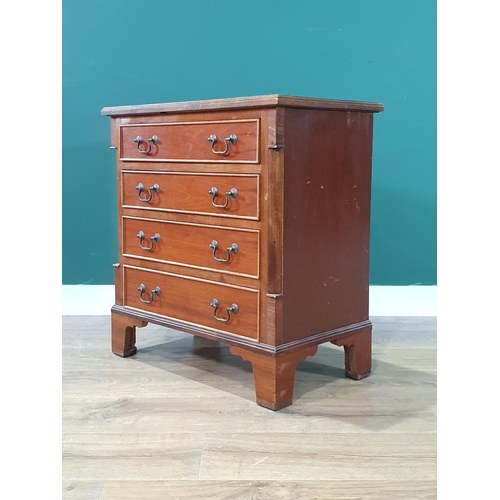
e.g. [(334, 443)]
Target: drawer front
[(235, 251), (189, 300), (233, 141), (236, 195)]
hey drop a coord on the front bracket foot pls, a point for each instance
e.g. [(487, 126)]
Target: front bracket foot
[(274, 375), (123, 334)]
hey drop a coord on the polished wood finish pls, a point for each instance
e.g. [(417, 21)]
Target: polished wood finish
[(301, 220), (326, 221), (179, 419), (188, 141), (189, 245), (188, 300), (123, 336), (358, 353), (274, 375), (189, 193), (266, 101)]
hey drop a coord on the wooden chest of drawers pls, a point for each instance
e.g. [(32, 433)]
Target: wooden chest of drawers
[(247, 221)]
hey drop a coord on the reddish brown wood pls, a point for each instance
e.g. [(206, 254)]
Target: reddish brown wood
[(273, 100), (220, 220), (275, 199), (274, 375), (358, 353), (302, 168), (189, 299), (189, 245), (189, 142), (274, 319), (114, 133), (189, 193), (118, 285), (192, 168), (123, 334), (326, 218), (223, 115)]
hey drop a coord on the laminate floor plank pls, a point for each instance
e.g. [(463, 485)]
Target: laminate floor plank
[(225, 413), (248, 490), (82, 490), (354, 457), (106, 455), (179, 420)]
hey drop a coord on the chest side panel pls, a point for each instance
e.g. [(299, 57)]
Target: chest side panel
[(327, 184)]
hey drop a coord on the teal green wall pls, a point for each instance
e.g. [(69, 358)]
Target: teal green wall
[(128, 52)]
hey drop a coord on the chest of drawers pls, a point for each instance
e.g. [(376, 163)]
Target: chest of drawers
[(247, 221)]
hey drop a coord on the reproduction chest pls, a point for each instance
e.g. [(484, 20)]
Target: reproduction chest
[(247, 221)]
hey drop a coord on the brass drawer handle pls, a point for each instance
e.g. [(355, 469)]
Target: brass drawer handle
[(152, 293), (232, 193), (232, 249), (153, 189), (151, 140), (232, 139), (154, 239), (233, 309)]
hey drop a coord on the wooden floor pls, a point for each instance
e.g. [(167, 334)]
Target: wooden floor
[(178, 420)]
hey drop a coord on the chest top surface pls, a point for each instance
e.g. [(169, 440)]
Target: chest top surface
[(263, 101)]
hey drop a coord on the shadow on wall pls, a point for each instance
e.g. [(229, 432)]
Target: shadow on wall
[(89, 214), (403, 238)]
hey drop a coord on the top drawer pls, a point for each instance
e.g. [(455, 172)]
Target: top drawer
[(226, 141)]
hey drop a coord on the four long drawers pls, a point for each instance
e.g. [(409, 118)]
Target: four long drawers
[(194, 238)]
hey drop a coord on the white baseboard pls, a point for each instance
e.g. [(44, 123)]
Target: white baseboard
[(95, 300)]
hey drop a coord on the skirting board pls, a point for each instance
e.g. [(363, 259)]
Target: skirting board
[(96, 300)]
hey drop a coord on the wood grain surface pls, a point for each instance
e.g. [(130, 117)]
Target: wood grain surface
[(186, 141), (187, 193), (189, 300), (326, 221), (189, 245), (179, 420), (263, 101)]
